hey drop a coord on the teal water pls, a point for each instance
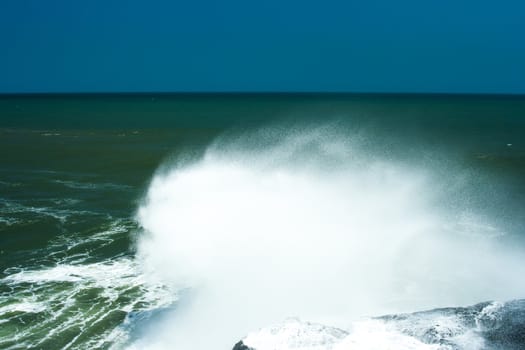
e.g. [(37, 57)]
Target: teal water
[(74, 168)]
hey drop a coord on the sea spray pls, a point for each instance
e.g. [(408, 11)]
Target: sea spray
[(315, 224)]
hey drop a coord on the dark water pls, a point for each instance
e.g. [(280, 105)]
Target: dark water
[(73, 169)]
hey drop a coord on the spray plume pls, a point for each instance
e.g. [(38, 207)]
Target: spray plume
[(309, 223)]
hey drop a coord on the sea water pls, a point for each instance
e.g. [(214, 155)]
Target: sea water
[(145, 221)]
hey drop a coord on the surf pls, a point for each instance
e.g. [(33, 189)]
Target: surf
[(319, 222)]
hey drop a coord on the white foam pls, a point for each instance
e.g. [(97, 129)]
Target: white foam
[(27, 306), (111, 274), (114, 278), (13, 207), (375, 335), (490, 316), (294, 334), (364, 335), (101, 239), (438, 327), (311, 225)]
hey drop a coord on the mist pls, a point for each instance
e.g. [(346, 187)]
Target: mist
[(314, 223)]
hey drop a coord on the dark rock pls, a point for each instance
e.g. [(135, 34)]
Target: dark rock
[(508, 332), (240, 346), (498, 326)]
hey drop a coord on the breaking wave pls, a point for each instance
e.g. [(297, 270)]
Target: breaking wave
[(319, 225)]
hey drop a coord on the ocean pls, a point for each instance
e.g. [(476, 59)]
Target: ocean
[(189, 220)]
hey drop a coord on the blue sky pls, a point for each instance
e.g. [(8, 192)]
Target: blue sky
[(355, 46)]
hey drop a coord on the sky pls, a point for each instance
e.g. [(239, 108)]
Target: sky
[(451, 46)]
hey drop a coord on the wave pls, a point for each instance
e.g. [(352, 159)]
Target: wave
[(10, 207), (319, 223), (7, 221), (79, 247), (76, 305), (92, 186)]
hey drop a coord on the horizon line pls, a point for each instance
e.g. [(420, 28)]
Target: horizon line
[(87, 93)]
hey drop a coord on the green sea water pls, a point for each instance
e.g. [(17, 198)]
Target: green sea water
[(74, 168)]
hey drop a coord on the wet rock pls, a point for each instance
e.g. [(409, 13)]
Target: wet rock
[(487, 326)]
